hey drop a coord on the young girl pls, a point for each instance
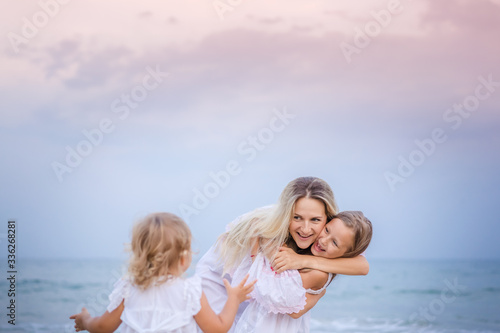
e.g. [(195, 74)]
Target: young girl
[(279, 300), (154, 298), (304, 207)]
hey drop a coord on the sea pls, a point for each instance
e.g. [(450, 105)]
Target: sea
[(425, 296)]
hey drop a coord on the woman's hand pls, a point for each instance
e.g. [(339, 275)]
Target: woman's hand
[(287, 259), (80, 319)]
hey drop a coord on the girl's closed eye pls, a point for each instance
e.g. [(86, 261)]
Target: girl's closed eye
[(333, 240)]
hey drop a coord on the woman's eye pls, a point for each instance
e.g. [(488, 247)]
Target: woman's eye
[(296, 217)]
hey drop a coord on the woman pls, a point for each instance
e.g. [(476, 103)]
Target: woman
[(273, 226)]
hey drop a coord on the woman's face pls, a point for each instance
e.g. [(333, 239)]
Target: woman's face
[(334, 240), (308, 220)]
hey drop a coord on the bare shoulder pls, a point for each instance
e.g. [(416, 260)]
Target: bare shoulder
[(313, 279)]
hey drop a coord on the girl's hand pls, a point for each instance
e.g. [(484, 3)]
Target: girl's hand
[(80, 319), (241, 291), (287, 259)]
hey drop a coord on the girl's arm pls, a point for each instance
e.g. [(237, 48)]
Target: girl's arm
[(209, 322), (288, 259), (311, 301), (107, 323), (311, 279)]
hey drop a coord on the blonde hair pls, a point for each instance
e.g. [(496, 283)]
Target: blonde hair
[(270, 225), (158, 242), (362, 228)]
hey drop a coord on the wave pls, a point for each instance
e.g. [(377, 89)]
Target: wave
[(352, 325), (492, 290), (419, 291), (42, 284)]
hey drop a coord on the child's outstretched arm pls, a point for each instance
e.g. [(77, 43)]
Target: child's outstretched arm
[(209, 322), (288, 259), (107, 323)]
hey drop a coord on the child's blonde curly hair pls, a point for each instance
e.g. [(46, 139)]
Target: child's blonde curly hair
[(159, 241)]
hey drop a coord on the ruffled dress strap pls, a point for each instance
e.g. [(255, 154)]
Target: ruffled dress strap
[(120, 292), (317, 292)]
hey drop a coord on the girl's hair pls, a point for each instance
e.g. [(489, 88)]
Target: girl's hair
[(362, 228), (270, 225), (158, 243)]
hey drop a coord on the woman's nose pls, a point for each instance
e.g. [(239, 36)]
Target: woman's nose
[(306, 227)]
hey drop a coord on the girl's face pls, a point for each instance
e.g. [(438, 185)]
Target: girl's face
[(334, 240), (308, 220)]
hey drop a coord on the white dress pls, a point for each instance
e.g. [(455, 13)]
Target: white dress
[(168, 307), (209, 268), (274, 297)]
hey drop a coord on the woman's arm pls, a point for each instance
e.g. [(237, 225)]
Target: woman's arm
[(288, 259), (210, 322), (107, 323)]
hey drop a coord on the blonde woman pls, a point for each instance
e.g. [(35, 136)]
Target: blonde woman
[(303, 209), (279, 300), (154, 297)]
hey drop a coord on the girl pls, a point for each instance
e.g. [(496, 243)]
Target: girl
[(279, 300), (304, 207), (155, 298)]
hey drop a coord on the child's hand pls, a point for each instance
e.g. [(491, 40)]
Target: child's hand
[(241, 291), (286, 259), (80, 319)]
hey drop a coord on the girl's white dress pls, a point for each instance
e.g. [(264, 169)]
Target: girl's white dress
[(167, 307), (274, 297)]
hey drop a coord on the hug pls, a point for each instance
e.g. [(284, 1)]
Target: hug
[(264, 274)]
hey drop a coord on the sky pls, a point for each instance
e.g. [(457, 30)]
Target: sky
[(113, 110)]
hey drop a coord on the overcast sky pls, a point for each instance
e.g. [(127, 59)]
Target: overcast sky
[(112, 110)]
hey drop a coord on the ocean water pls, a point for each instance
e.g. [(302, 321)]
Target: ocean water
[(397, 296)]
